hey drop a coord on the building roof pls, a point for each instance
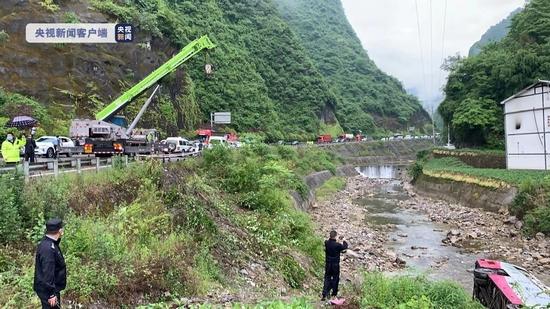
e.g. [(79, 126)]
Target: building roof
[(540, 81)]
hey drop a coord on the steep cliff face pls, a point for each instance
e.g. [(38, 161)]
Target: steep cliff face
[(267, 71), (44, 70), (365, 93)]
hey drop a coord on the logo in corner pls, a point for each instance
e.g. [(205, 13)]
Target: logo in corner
[(124, 33)]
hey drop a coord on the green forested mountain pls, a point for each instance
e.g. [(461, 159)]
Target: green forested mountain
[(364, 91), (268, 71), (478, 84), (494, 34)]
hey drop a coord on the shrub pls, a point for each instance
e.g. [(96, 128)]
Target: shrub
[(408, 292), (4, 37), (292, 271), (538, 220), (70, 18), (416, 170), (423, 154), (330, 187), (49, 5), (43, 200), (11, 224), (523, 201)]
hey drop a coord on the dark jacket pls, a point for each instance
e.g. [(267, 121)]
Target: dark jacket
[(30, 146), (333, 250), (50, 272)]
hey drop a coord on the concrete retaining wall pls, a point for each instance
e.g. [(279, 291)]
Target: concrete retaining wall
[(479, 160), (470, 195), (316, 180)]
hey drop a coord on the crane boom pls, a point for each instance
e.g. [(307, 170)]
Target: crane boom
[(187, 52)]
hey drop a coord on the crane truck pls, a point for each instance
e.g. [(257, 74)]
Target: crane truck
[(109, 134)]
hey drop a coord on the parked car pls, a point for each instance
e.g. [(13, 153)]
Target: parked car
[(235, 144), (178, 144), (217, 140), (45, 146)]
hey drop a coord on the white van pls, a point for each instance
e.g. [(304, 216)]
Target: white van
[(217, 140), (178, 144)]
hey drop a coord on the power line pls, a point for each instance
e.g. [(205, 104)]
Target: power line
[(431, 51), (422, 61), (443, 40)]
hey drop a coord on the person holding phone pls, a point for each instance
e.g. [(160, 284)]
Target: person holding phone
[(333, 249)]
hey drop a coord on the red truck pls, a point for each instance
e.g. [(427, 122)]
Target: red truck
[(324, 139)]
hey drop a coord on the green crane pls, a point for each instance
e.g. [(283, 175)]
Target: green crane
[(103, 136), (171, 65)]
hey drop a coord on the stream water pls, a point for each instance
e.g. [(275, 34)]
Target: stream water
[(414, 238)]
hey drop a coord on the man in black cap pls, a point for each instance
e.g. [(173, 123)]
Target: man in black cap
[(332, 264), (50, 272)]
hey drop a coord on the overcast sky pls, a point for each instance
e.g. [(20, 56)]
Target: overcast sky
[(388, 31)]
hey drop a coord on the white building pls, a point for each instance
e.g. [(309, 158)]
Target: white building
[(527, 127)]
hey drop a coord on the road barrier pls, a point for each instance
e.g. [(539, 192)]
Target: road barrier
[(58, 166)]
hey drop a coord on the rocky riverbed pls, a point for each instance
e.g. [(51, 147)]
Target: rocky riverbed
[(485, 234), (435, 236), (367, 242)]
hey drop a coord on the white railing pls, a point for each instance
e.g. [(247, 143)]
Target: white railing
[(58, 166)]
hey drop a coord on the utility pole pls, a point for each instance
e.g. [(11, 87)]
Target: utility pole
[(433, 125), (448, 134)]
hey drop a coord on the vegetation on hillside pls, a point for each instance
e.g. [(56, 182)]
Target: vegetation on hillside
[(532, 205), (510, 177), (267, 73), (494, 34), (476, 85), (329, 188), (13, 104), (153, 233), (361, 88), (262, 73)]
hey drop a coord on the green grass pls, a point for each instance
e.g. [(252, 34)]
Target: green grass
[(329, 188), (413, 293), (512, 177), (298, 303), (333, 130), (473, 151), (531, 202)]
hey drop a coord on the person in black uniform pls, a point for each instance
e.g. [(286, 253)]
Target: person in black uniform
[(50, 272), (30, 146), (332, 264)]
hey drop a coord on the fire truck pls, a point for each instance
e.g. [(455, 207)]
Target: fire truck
[(326, 138)]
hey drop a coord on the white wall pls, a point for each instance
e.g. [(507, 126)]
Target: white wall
[(525, 130), (526, 162)]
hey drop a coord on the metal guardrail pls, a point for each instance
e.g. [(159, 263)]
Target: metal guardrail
[(56, 167)]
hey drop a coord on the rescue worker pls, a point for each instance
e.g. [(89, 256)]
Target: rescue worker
[(57, 146), (30, 146), (332, 264), (50, 273), (11, 149)]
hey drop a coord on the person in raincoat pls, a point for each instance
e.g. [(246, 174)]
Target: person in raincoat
[(11, 149)]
